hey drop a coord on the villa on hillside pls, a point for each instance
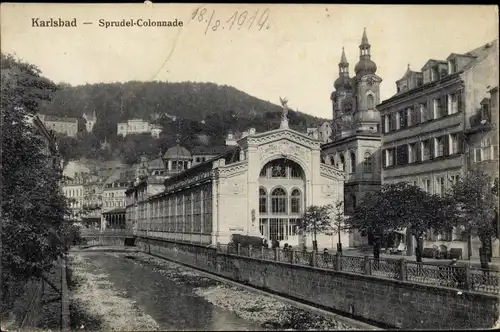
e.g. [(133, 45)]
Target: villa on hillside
[(138, 126)]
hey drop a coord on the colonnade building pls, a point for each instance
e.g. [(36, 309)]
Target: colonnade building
[(259, 187)]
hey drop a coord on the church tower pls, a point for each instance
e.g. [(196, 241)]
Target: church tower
[(342, 99), (367, 90), (355, 146)]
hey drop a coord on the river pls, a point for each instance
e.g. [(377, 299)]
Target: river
[(138, 292)]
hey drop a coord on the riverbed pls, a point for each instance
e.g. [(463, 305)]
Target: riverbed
[(139, 292)]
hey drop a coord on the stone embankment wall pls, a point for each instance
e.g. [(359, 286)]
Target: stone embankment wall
[(394, 303)]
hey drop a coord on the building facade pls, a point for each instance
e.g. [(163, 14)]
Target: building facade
[(259, 187), (138, 126), (424, 124), (62, 125), (482, 136), (355, 146)]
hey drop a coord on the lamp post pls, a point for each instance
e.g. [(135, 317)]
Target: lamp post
[(339, 243)]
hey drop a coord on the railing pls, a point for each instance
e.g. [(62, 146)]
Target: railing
[(85, 232), (461, 277)]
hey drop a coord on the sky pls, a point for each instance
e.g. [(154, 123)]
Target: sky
[(290, 51)]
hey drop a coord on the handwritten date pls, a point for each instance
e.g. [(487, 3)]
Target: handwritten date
[(239, 19)]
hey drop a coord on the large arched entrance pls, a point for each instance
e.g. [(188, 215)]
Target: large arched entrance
[(281, 200)]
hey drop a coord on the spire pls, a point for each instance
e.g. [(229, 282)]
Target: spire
[(343, 59), (343, 65), (364, 39)]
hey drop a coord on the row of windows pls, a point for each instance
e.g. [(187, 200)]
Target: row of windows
[(339, 162), (114, 204), (441, 183), (423, 112), (278, 202), (428, 149), (188, 212), (73, 192)]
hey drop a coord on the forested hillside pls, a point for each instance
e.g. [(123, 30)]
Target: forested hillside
[(205, 111)]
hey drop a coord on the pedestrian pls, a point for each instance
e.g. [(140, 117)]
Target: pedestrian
[(326, 256)]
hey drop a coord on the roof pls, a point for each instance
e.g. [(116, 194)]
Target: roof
[(89, 115), (432, 60), (156, 164), (482, 53), (177, 151), (408, 73), (54, 118), (209, 150)]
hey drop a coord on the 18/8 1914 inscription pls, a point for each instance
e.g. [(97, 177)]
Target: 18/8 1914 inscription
[(239, 19)]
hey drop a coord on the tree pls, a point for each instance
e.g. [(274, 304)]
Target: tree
[(401, 206), (476, 202), (316, 219), (370, 217), (339, 220), (33, 208)]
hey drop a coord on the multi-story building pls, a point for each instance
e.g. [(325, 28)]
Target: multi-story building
[(73, 189), (91, 119), (134, 126), (355, 145), (62, 125), (423, 125), (138, 126)]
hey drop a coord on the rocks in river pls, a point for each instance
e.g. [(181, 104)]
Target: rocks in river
[(267, 311)]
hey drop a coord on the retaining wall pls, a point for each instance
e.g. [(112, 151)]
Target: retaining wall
[(390, 302)]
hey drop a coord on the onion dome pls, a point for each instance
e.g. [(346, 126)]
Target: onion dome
[(365, 66)]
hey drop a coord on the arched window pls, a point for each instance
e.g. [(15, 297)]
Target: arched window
[(283, 169), (342, 161), (353, 162), (332, 160), (262, 200), (370, 102), (295, 201), (278, 201), (368, 163)]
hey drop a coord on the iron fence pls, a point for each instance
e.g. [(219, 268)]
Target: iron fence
[(461, 277)]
